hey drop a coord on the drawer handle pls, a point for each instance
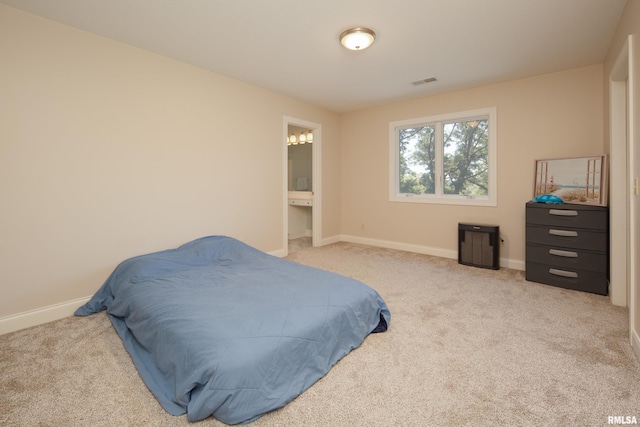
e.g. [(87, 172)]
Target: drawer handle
[(566, 254), (563, 273), (563, 233), (562, 212)]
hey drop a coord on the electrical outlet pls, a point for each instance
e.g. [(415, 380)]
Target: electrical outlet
[(362, 226), (501, 241)]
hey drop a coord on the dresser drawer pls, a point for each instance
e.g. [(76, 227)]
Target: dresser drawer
[(568, 258), (580, 280), (568, 216), (567, 237)]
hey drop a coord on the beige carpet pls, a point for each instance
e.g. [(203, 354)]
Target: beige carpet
[(466, 347)]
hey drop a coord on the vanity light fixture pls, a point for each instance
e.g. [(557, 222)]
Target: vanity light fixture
[(305, 137), (357, 38)]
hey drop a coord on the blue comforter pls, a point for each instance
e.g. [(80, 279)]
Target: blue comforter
[(216, 327)]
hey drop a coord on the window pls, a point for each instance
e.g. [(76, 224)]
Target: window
[(449, 159)]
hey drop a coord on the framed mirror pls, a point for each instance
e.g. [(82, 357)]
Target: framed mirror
[(574, 180)]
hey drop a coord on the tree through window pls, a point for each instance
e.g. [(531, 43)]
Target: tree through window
[(445, 159)]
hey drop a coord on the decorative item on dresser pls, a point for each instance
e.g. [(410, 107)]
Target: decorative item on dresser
[(568, 246)]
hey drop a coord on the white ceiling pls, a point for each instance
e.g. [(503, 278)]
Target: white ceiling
[(292, 47)]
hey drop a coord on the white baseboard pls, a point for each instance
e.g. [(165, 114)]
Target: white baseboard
[(39, 316), (635, 343), (59, 311), (426, 250), (330, 240), (280, 253)]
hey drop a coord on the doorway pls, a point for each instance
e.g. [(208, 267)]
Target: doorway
[(302, 181)]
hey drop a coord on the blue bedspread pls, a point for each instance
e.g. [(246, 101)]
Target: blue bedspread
[(216, 327)]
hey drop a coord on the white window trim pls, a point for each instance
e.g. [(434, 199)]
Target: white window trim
[(394, 152)]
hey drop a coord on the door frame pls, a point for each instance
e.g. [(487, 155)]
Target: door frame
[(619, 180), (623, 211), (316, 180)]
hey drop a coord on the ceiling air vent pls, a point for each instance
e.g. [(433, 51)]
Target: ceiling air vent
[(423, 81)]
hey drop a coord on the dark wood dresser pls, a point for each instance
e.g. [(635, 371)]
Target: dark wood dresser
[(568, 246)]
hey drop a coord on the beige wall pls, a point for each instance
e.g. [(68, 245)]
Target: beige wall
[(108, 151), (553, 115), (630, 25)]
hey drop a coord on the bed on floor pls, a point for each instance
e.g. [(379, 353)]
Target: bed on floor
[(217, 327)]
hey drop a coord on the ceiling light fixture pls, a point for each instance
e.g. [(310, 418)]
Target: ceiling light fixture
[(357, 38)]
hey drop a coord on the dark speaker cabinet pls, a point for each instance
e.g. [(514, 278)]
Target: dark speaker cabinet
[(568, 246), (479, 245)]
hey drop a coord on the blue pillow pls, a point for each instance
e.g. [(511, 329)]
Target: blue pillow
[(548, 198)]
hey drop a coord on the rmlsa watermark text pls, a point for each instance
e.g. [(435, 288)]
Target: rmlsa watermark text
[(622, 419)]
